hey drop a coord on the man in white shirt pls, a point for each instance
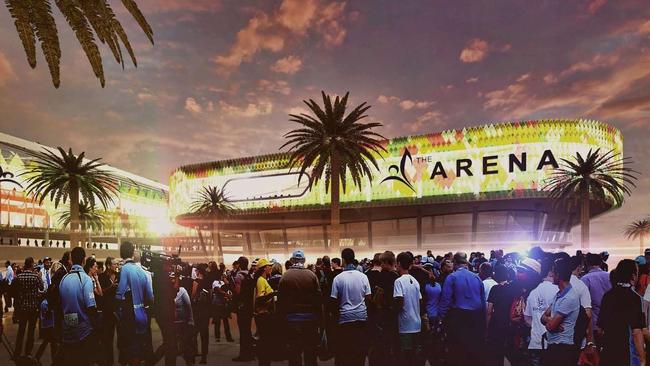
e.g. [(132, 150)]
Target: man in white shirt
[(350, 291), (407, 298), (45, 272), (583, 293), (538, 301), (486, 272)]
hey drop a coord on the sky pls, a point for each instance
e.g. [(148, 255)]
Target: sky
[(222, 77)]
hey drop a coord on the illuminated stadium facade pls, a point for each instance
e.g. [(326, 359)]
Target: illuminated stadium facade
[(139, 212), (473, 188)]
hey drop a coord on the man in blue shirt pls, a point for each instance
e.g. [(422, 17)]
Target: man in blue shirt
[(462, 306), (134, 293), (561, 317), (79, 312)]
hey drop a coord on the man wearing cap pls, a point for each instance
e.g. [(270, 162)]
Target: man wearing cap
[(462, 306), (299, 302)]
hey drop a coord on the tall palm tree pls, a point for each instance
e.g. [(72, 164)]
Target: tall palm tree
[(638, 230), (213, 204), (90, 20), (334, 145), (596, 176), (62, 176)]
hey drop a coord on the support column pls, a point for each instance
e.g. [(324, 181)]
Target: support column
[(284, 236), (249, 245), (419, 230), (474, 226), (537, 220), (325, 245), (369, 232)]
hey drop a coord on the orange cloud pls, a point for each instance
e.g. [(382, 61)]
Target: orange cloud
[(7, 73), (287, 65), (475, 51)]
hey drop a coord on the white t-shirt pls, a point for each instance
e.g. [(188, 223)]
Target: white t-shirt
[(408, 288), (487, 285), (351, 287), (538, 301), (582, 290), (217, 284)]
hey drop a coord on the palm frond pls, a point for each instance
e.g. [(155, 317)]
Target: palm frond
[(89, 218), (87, 18), (637, 229), (213, 202), (327, 131)]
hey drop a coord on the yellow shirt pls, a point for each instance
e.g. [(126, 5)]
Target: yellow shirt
[(263, 288)]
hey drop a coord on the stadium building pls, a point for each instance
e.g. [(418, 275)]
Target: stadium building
[(139, 212), (473, 189)]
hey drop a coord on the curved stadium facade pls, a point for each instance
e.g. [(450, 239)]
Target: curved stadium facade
[(472, 188)]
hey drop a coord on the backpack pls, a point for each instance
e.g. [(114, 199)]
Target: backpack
[(580, 329), (246, 294)]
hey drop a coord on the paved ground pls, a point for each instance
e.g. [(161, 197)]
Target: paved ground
[(220, 353)]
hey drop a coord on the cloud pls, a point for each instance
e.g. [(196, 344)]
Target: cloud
[(7, 73), (287, 65), (405, 104), (510, 95), (297, 110), (594, 5), (293, 21), (279, 86), (472, 80), (475, 50), (432, 118), (193, 106), (251, 110), (297, 15)]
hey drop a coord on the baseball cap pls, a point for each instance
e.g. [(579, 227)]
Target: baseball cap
[(263, 262), (298, 254), (532, 264)]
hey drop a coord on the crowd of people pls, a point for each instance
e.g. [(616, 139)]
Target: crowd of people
[(536, 309)]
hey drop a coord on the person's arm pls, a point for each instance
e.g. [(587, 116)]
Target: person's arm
[(187, 304), (528, 312), (590, 327), (98, 288), (489, 311), (447, 294), (398, 296), (637, 335), (553, 324)]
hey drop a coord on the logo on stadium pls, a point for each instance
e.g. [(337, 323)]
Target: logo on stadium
[(398, 173), (8, 177)]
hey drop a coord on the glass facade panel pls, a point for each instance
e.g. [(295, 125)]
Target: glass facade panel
[(400, 233)]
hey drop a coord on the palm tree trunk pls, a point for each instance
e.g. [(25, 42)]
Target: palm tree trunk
[(335, 207), (585, 217), (217, 243), (74, 213), (641, 250)]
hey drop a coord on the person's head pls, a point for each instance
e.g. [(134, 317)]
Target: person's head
[(627, 271), (576, 264), (47, 263), (91, 266), (78, 255), (8, 264), (594, 260), (222, 268), (65, 260), (404, 261), (460, 259), (298, 257), (376, 260), (546, 265), (319, 262), (429, 253), (446, 267), (243, 263), (100, 267), (276, 269), (387, 260), (336, 263), (288, 265), (235, 265), (646, 253), (347, 255), (111, 264), (501, 273), (29, 263), (127, 250), (485, 271), (562, 270), (327, 263)]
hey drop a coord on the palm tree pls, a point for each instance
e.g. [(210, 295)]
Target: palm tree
[(87, 19), (638, 230), (62, 176), (334, 145), (597, 177), (213, 203), (89, 219)]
